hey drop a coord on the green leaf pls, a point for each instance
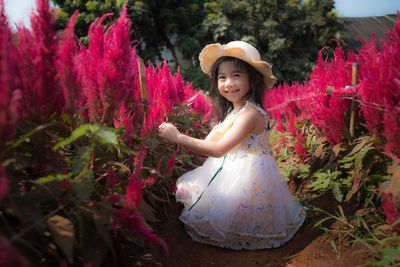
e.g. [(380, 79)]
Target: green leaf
[(321, 221), (337, 193), (83, 185), (82, 159), (360, 156), (32, 132), (78, 132), (334, 246), (50, 178), (107, 136)]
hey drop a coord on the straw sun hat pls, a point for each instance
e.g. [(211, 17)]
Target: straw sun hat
[(240, 50)]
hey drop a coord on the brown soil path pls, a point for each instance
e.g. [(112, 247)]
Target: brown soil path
[(309, 247)]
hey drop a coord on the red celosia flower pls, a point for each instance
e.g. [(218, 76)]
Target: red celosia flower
[(9, 94), (66, 69), (171, 187), (390, 210), (9, 256), (125, 119), (3, 183), (37, 57), (107, 70), (114, 199), (152, 179), (65, 184), (111, 178), (379, 89), (169, 166), (132, 221), (134, 189)]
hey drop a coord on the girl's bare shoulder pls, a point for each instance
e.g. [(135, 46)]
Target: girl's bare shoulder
[(252, 115)]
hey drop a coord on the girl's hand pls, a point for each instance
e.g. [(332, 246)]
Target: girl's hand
[(169, 132)]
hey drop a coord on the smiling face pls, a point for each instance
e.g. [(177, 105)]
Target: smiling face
[(233, 83)]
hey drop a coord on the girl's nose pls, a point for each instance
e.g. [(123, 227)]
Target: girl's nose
[(228, 82)]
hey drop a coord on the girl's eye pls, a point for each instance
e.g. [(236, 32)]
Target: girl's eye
[(221, 77)]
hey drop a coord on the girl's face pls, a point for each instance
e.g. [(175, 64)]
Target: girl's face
[(233, 83)]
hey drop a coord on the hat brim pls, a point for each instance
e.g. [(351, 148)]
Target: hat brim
[(211, 53)]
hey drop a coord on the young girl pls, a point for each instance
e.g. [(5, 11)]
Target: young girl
[(238, 198)]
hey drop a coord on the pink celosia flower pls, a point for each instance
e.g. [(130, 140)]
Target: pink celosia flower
[(65, 184), (124, 118), (111, 178), (3, 183), (9, 94), (37, 49), (169, 166), (390, 210), (171, 187), (66, 69), (107, 70), (9, 256), (131, 220), (379, 89), (134, 189), (114, 199), (152, 179)]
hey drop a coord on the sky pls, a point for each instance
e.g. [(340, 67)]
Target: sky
[(18, 10)]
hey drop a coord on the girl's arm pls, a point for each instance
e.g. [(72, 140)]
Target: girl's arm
[(242, 126)]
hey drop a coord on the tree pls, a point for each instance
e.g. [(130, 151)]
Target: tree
[(156, 23), (288, 33)]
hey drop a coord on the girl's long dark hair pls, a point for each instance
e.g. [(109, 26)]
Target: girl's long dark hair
[(256, 81)]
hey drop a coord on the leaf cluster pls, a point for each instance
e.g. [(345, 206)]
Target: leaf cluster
[(60, 204)]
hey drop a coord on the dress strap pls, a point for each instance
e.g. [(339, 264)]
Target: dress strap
[(259, 109)]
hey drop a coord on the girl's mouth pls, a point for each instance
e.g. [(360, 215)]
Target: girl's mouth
[(232, 91)]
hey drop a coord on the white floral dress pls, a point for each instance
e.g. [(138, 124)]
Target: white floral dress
[(239, 201)]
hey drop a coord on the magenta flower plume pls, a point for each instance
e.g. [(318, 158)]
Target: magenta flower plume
[(108, 69), (66, 70), (9, 94), (124, 118), (327, 112), (3, 183), (390, 210), (170, 165), (152, 179), (286, 105), (112, 178), (133, 222), (379, 89), (180, 87), (134, 189), (42, 96), (9, 256)]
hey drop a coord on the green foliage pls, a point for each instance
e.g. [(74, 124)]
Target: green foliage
[(350, 172), (197, 77), (288, 33), (157, 24), (382, 244), (58, 205)]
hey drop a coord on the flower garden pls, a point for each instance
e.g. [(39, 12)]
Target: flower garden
[(83, 170)]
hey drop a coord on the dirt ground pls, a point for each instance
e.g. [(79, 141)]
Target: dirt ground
[(309, 247)]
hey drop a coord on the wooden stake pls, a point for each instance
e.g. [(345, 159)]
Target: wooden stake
[(142, 81), (353, 104), (329, 90)]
